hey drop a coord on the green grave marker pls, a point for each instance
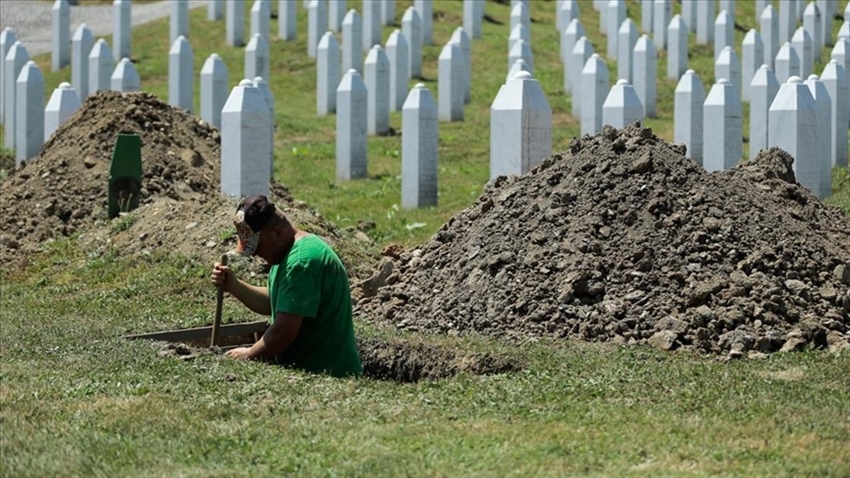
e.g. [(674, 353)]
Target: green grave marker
[(125, 174)]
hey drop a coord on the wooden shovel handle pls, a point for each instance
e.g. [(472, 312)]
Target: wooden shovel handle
[(219, 300)]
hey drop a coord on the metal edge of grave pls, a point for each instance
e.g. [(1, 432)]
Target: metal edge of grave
[(200, 333)]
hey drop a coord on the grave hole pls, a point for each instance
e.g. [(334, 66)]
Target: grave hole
[(398, 360)]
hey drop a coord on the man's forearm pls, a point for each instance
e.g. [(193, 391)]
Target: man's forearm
[(254, 297)]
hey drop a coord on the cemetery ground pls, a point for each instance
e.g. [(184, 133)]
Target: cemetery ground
[(79, 400)]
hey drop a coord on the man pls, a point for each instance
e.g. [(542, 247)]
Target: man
[(307, 297)]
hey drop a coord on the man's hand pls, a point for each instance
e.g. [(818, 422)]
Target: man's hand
[(239, 353), (223, 276)]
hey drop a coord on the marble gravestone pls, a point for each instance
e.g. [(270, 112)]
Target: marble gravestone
[(397, 52), (419, 149), (722, 145), (688, 114), (628, 35), (327, 74), (62, 104), (411, 27), (100, 66), (351, 134), (376, 71), (121, 29), (181, 79), (450, 83), (29, 113), (60, 41), (352, 44), (622, 106), (286, 20), (246, 154), (594, 90), (835, 79), (646, 76), (235, 24), (125, 78), (214, 82), (763, 89), (793, 127), (257, 58)]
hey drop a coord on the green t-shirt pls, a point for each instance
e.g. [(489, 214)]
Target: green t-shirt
[(313, 284)]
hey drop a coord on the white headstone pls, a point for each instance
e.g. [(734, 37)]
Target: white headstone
[(81, 46), (622, 107), (521, 49), (215, 10), (835, 79), (461, 39), (336, 13), (29, 113), (261, 18), (602, 7), (181, 76), (246, 154), (214, 82), (828, 9), (62, 104), (387, 12), (518, 32), (472, 18), (574, 31), (450, 83), (567, 11), (689, 14), (770, 34), (787, 63), (234, 21), (787, 20), (100, 66), (646, 75), (520, 127), (729, 6), (376, 71), (763, 89), (179, 20), (14, 63), (627, 38), (802, 44), (616, 14), (793, 127), (844, 31), (411, 27), (520, 15), (813, 23), (327, 74), (724, 32), (121, 28), (661, 10), (824, 131), (519, 65), (425, 9), (594, 90), (352, 111), (60, 40), (7, 39), (352, 43), (677, 48), (722, 143), (125, 78), (397, 52), (263, 86), (287, 17), (581, 52), (646, 15), (752, 57), (688, 114), (257, 58), (841, 54), (728, 66), (760, 6), (371, 24), (419, 149), (705, 29), (317, 21)]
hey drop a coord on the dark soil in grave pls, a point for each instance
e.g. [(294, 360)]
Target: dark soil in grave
[(624, 239), (397, 360), (62, 191)]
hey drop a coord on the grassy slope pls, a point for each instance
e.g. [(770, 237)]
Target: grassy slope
[(75, 400)]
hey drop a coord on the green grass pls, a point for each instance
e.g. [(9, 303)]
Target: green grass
[(76, 400)]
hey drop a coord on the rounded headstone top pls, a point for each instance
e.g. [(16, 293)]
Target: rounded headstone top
[(64, 85), (378, 48), (582, 38), (258, 35), (812, 77), (258, 79), (727, 47), (31, 63), (764, 67), (522, 75), (622, 81), (351, 71), (181, 38), (125, 60), (690, 72), (246, 82), (723, 81), (215, 56), (419, 86), (595, 55), (17, 43), (794, 80)]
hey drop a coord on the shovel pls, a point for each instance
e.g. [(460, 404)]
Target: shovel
[(219, 299)]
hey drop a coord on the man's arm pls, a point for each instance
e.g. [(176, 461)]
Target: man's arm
[(254, 297), (278, 337)]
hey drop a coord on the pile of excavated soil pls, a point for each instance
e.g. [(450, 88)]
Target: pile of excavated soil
[(624, 239), (63, 191)]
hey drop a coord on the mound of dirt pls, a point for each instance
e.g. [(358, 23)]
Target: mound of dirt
[(63, 191), (624, 239)]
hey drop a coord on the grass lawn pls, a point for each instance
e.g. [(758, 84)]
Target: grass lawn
[(76, 400)]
